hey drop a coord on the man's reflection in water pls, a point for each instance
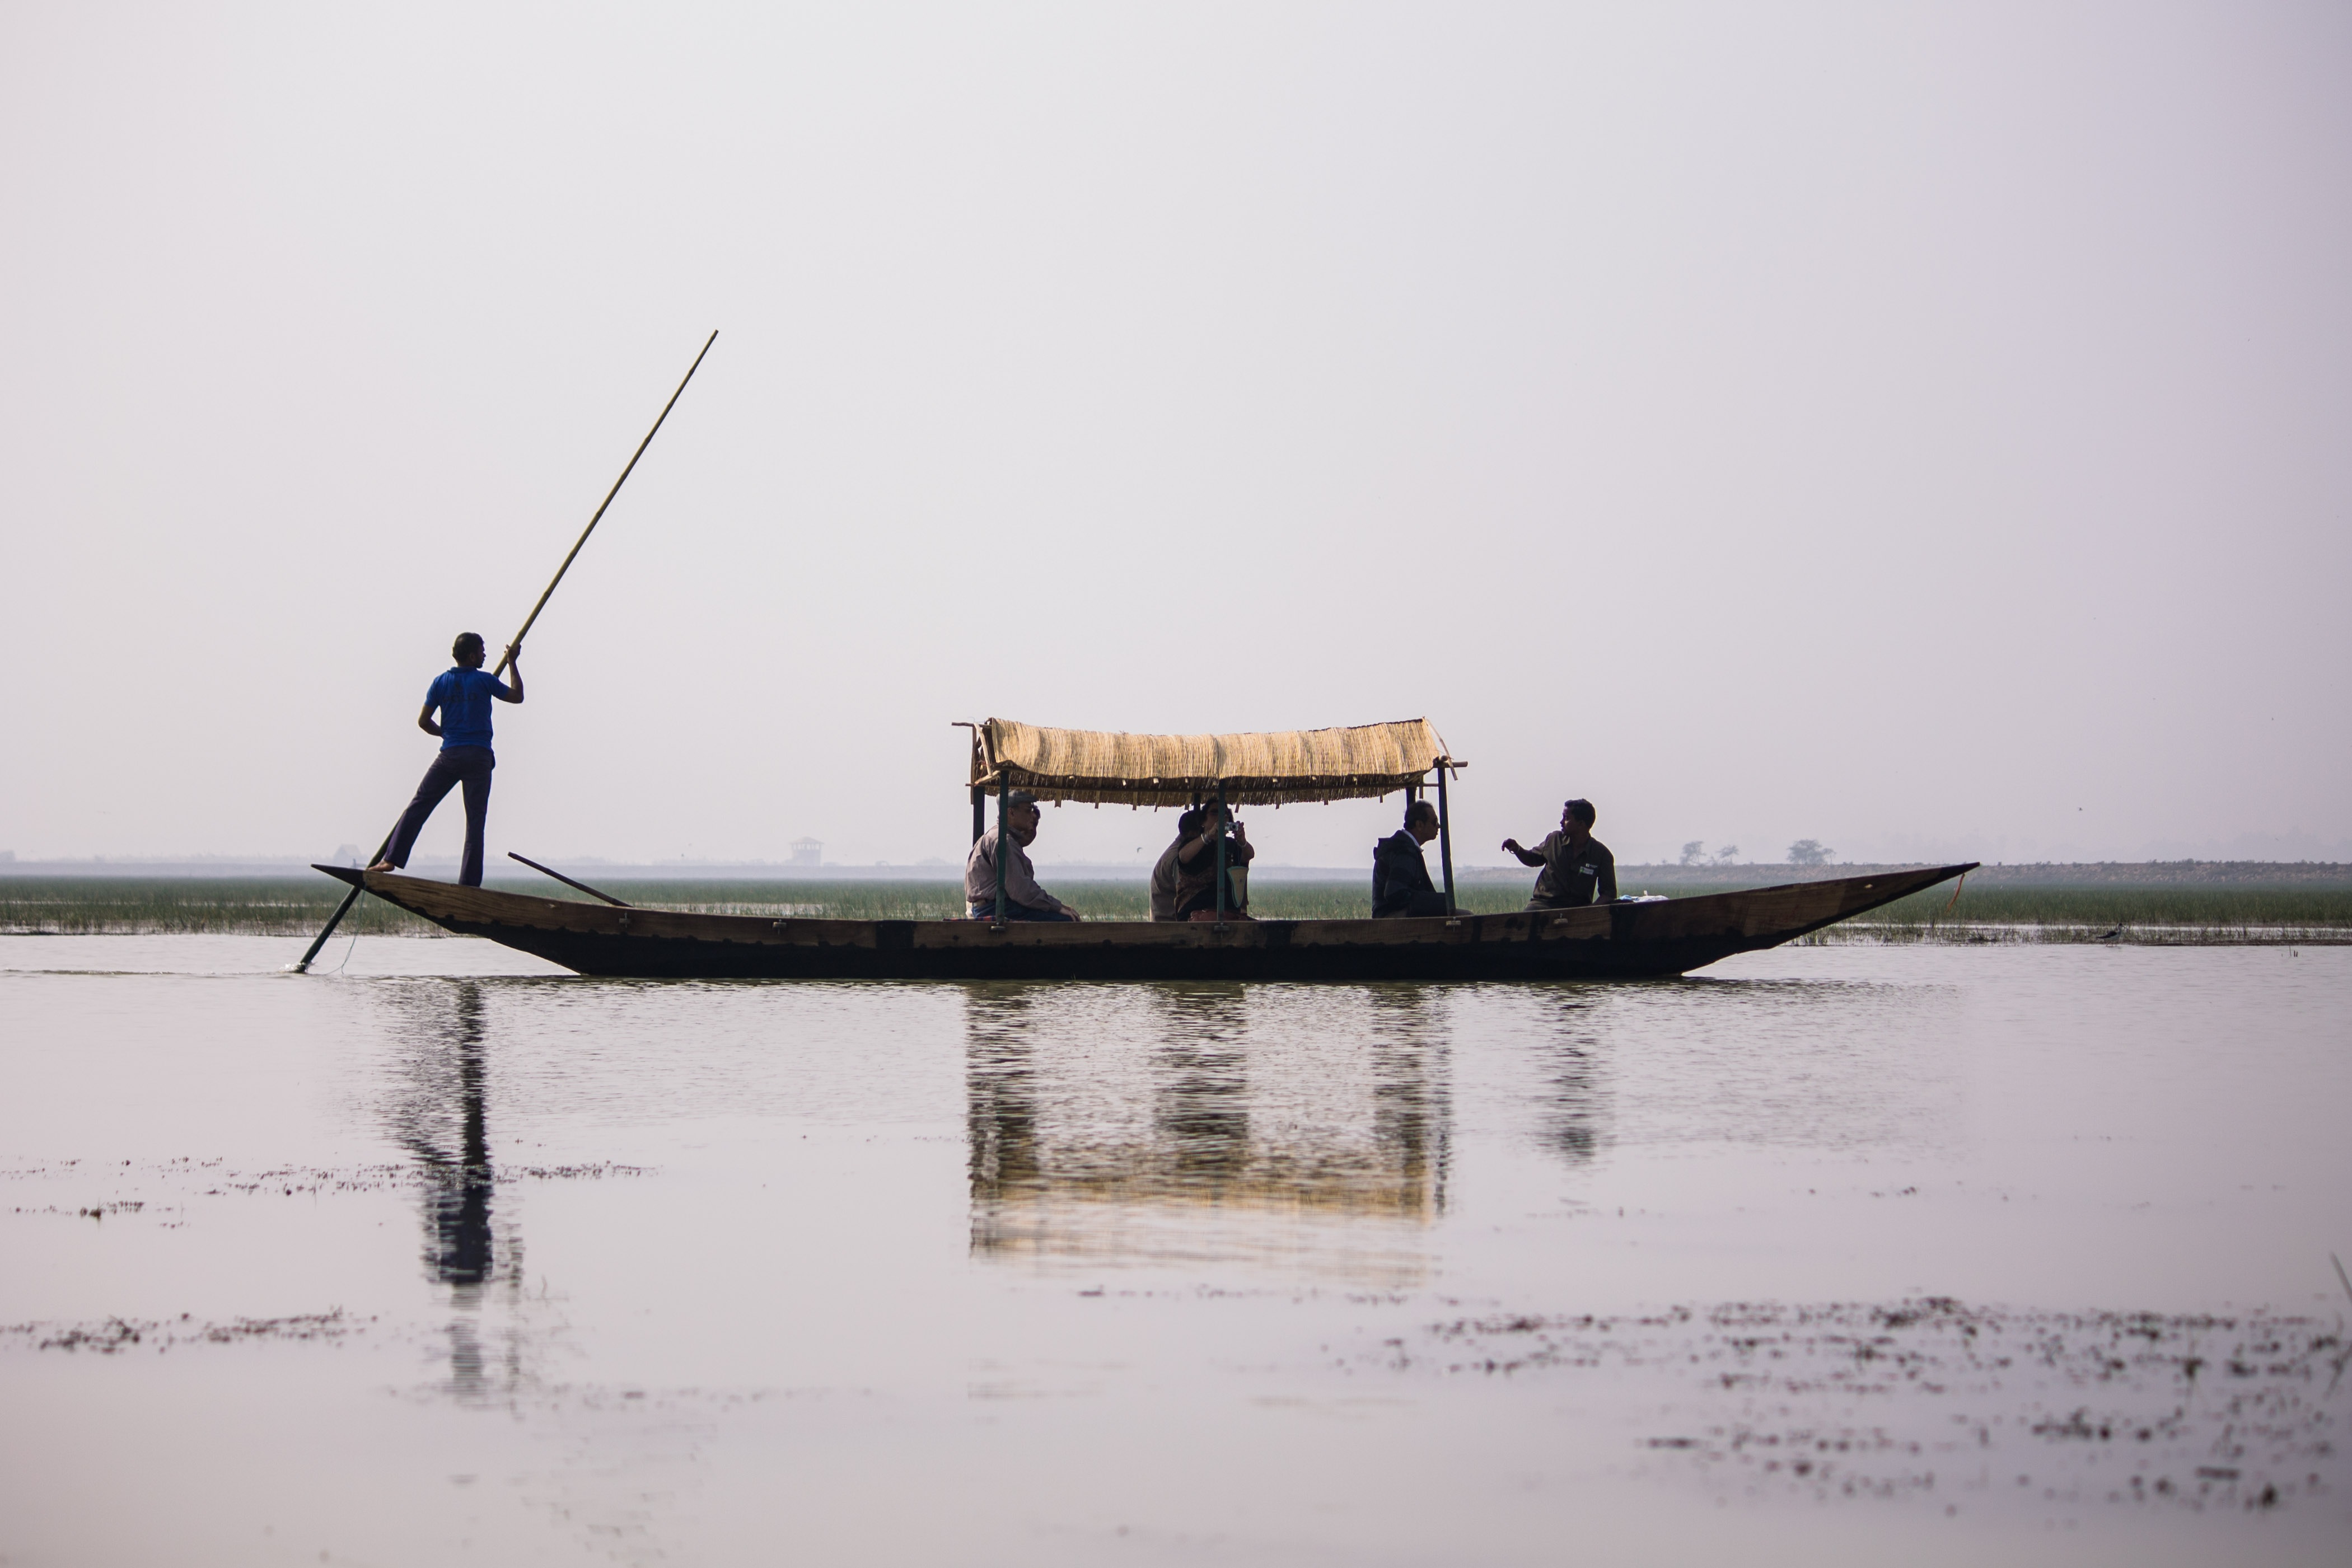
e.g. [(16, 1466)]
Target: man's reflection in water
[(1201, 1099), (1192, 1122), (1001, 1089), (1414, 1109), (439, 1114), (1573, 1107)]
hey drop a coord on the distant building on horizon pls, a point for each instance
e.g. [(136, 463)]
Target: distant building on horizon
[(807, 851)]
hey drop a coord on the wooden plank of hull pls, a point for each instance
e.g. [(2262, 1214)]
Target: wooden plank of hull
[(1612, 941)]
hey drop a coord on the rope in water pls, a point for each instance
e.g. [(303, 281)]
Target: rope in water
[(355, 936)]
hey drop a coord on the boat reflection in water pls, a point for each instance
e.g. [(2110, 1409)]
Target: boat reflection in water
[(1300, 1128), (439, 1113)]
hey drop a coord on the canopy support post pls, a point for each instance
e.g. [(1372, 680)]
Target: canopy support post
[(1003, 837), (1220, 855), (979, 811), (1445, 839)]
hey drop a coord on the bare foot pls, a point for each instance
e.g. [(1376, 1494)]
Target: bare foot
[(383, 865)]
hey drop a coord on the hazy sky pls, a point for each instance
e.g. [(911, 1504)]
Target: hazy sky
[(1926, 429)]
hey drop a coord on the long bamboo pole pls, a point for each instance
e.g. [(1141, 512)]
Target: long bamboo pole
[(533, 618), (303, 967)]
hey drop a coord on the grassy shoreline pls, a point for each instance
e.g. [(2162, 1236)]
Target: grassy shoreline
[(289, 906)]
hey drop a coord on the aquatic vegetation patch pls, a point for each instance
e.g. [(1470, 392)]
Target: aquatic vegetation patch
[(1936, 1398), (215, 1178), (102, 1212), (112, 1336)]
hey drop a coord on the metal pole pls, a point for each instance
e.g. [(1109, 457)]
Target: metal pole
[(1445, 837), (979, 811), (1221, 852), (1003, 837)]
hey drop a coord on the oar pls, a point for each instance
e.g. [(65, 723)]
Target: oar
[(353, 896), (566, 881)]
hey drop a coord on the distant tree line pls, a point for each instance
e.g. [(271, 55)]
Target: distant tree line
[(1804, 851)]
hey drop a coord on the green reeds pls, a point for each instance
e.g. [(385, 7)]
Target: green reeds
[(2193, 916), (257, 907), (291, 906)]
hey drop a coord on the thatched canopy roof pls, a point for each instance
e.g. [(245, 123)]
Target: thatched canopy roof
[(1107, 767)]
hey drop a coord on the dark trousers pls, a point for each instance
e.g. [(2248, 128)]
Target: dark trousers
[(1207, 899), (457, 765), (1417, 906)]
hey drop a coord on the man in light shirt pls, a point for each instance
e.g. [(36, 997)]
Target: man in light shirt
[(1024, 899)]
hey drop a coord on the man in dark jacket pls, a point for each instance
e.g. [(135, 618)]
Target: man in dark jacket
[(1401, 884), (1163, 874), (1578, 868)]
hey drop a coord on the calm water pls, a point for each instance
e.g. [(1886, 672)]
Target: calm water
[(1841, 1254)]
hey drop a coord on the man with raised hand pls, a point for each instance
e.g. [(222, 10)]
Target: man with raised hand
[(1578, 868), (463, 695)]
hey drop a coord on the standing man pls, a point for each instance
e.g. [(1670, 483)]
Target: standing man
[(1401, 884), (1024, 899), (1578, 868), (464, 695)]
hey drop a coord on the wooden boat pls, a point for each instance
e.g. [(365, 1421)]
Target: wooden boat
[(1622, 940), (1609, 941)]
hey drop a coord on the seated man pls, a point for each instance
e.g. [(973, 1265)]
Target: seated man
[(1024, 899), (1163, 874), (1578, 868), (1196, 867), (1401, 884)]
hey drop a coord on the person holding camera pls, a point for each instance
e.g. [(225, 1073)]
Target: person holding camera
[(1196, 866)]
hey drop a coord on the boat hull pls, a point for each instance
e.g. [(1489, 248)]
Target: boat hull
[(1616, 941)]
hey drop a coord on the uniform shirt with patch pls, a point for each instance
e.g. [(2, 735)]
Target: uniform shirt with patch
[(1571, 877)]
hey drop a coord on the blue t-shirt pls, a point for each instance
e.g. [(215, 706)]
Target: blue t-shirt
[(464, 697)]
